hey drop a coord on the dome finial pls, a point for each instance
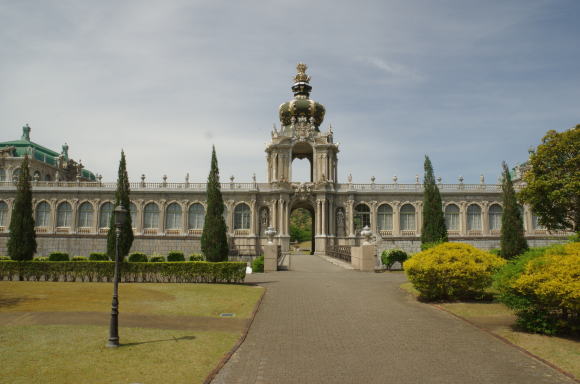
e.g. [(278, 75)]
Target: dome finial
[(301, 76)]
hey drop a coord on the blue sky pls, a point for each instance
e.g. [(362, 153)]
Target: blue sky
[(470, 83)]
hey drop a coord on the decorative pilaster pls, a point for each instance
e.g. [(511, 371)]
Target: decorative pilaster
[(396, 218), (349, 206), (463, 218)]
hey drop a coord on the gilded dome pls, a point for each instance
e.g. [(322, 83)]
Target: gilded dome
[(301, 105)]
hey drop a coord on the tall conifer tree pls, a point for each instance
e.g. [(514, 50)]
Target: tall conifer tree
[(22, 241), (121, 198), (512, 240), (434, 229), (214, 242)]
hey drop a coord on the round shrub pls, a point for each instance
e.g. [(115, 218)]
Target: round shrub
[(98, 256), (391, 256), (258, 264), (80, 258), (452, 271), (156, 258), (137, 257), (58, 256), (196, 257), (175, 256), (542, 286)]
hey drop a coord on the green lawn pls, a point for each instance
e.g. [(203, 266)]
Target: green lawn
[(54, 353)]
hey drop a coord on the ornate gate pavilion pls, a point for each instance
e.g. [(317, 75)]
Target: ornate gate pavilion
[(73, 206)]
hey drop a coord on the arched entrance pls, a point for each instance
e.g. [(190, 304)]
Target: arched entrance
[(301, 225), (302, 169)]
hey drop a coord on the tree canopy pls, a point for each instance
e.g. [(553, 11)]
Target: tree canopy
[(121, 198), (553, 180), (434, 229), (512, 240)]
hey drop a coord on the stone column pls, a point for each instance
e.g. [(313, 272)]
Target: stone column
[(184, 216), (53, 215), (95, 226), (396, 218), (463, 218), (161, 225), (374, 219), (350, 217), (485, 218), (270, 258), (419, 217), (253, 217), (74, 222)]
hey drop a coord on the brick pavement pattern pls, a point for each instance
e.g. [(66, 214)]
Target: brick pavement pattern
[(320, 323)]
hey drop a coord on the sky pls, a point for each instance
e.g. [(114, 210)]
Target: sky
[(469, 83)]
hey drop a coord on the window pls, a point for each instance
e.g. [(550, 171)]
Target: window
[(133, 213), (151, 216), (2, 174), (474, 218), (408, 218), (385, 217), (495, 212), (362, 216), (36, 175), (85, 215), (173, 216), (42, 218), (3, 214), (196, 216), (452, 217), (536, 222), (242, 216), (47, 177), (16, 174), (64, 215), (105, 215)]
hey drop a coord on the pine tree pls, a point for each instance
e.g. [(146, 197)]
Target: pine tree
[(22, 241), (512, 240), (121, 198), (214, 242), (434, 229)]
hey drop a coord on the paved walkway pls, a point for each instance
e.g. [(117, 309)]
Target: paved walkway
[(320, 323)]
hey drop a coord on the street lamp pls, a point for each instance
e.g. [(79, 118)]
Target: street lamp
[(120, 215)]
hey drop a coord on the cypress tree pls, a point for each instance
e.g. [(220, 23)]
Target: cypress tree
[(121, 198), (434, 229), (22, 241), (512, 240), (214, 242)]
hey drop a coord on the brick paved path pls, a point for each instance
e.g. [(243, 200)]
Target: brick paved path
[(322, 324)]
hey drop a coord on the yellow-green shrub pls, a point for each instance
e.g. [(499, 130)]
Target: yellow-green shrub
[(452, 270), (543, 287)]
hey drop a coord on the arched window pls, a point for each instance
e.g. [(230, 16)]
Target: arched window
[(64, 215), (495, 212), (474, 218), (242, 216), (3, 214), (105, 215), (16, 174), (536, 222), (196, 216), (385, 217), (173, 216), (151, 216), (42, 217), (452, 217), (133, 213), (36, 175), (362, 216), (85, 215), (408, 218), (2, 174)]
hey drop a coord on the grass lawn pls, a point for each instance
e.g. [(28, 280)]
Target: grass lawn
[(155, 353), (500, 320)]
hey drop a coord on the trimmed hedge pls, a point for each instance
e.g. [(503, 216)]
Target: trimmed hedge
[(196, 257), (4, 258), (138, 257), (452, 271), (258, 264), (80, 258), (157, 259), (542, 286), (175, 256), (58, 256), (391, 256), (95, 271), (98, 256)]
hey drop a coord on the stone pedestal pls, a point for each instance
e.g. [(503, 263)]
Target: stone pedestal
[(270, 258), (363, 258)]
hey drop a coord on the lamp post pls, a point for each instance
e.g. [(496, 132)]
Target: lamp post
[(120, 218)]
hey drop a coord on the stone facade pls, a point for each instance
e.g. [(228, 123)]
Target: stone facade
[(72, 216)]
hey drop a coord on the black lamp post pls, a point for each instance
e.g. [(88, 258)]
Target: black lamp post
[(120, 218)]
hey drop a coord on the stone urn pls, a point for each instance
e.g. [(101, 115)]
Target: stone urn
[(270, 232), (366, 233)]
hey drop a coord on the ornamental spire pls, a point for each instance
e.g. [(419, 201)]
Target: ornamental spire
[(301, 76), (301, 87)]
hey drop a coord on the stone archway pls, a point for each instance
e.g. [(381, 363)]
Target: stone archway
[(308, 206)]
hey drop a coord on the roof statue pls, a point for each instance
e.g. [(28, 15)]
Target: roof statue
[(301, 76), (26, 133)]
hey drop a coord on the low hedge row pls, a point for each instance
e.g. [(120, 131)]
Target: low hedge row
[(166, 272)]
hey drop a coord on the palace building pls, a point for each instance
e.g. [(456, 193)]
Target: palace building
[(73, 207)]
